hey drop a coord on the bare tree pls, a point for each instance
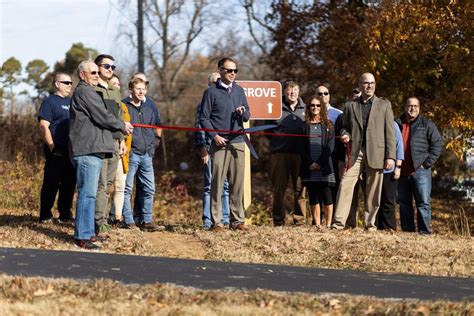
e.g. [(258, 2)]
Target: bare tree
[(175, 24)]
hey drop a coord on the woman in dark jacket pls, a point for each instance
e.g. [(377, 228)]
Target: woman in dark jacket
[(317, 172)]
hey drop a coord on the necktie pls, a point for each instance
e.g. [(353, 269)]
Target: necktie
[(229, 90)]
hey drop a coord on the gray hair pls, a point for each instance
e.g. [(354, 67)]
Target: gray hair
[(82, 66)]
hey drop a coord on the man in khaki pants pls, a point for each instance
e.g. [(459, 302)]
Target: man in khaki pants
[(224, 107), (368, 125)]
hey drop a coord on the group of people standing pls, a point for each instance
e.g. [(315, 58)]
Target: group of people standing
[(90, 143), (388, 159)]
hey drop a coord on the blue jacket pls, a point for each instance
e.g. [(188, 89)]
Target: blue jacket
[(425, 141), (218, 110), (200, 137), (143, 139)]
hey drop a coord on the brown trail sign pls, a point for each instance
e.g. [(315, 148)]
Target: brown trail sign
[(264, 98)]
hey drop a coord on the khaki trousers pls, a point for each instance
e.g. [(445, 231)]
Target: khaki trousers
[(106, 179), (284, 166), (228, 162), (373, 190)]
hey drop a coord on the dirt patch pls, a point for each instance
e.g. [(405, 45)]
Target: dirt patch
[(176, 245)]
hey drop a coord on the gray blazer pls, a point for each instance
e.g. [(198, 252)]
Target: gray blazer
[(90, 124), (380, 142)]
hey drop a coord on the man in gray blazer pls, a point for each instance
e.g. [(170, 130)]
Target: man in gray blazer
[(368, 127)]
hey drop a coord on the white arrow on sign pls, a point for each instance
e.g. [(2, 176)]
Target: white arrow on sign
[(270, 107)]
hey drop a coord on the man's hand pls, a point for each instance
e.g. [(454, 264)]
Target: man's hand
[(205, 159), (240, 110), (122, 148), (220, 141), (128, 128), (314, 166), (204, 155), (396, 174), (389, 164), (345, 139), (50, 146)]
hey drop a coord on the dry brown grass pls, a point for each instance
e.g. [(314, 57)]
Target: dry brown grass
[(40, 296)]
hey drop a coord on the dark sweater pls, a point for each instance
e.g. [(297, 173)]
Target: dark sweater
[(324, 161), (218, 111), (291, 122), (90, 124)]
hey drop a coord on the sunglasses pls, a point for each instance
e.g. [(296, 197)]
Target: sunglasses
[(69, 83), (92, 72), (315, 105), (323, 93), (227, 70), (108, 66)]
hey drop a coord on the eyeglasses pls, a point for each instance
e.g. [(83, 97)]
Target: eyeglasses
[(323, 93), (68, 83), (315, 105), (147, 83), (92, 72), (108, 66), (367, 83), (227, 70)]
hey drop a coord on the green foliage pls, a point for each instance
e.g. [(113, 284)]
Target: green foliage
[(77, 53), (11, 72), (36, 71)]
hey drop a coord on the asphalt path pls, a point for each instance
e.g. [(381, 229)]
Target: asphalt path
[(204, 274)]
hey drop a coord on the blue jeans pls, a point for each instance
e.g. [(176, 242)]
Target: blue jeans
[(140, 166), (206, 198), (87, 172), (417, 186)]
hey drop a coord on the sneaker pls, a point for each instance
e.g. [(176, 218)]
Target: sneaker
[(217, 229), (124, 225), (85, 244), (103, 228), (46, 220), (151, 227), (68, 221), (240, 226), (95, 239)]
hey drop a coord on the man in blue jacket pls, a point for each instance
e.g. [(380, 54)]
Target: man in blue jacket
[(141, 159), (224, 107), (422, 146)]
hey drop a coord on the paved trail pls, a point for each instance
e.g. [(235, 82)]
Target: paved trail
[(218, 275)]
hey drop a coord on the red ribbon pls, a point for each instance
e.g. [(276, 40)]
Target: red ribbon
[(200, 129)]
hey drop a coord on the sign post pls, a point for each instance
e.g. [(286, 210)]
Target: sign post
[(264, 99)]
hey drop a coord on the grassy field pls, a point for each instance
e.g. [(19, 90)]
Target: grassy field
[(447, 252), (40, 296)]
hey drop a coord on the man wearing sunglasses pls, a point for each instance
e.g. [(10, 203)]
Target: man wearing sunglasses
[(90, 141), (59, 174), (224, 107), (111, 96)]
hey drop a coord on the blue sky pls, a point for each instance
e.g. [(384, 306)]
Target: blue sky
[(32, 29)]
